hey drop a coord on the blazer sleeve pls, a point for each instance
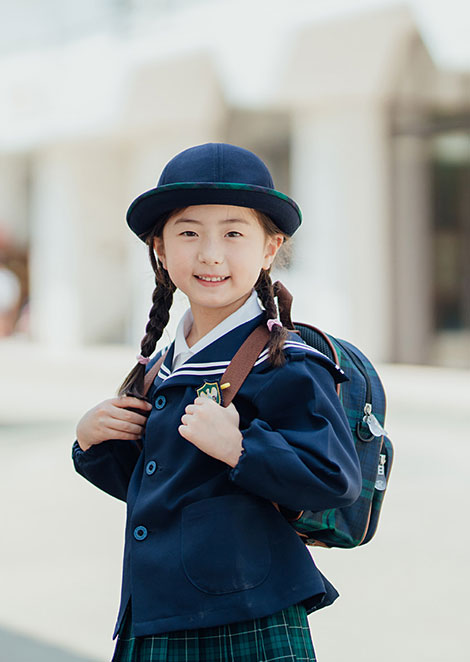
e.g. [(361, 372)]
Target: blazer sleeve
[(108, 465), (299, 452)]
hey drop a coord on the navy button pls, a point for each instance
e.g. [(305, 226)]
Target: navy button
[(140, 533), (150, 468), (160, 402)]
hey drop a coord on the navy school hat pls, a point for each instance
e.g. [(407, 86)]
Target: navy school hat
[(214, 173)]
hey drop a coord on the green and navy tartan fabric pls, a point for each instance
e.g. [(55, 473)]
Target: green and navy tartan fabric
[(356, 524), (281, 637), (225, 186)]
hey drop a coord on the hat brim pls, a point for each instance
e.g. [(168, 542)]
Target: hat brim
[(148, 207)]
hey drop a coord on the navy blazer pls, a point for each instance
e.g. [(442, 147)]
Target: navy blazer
[(204, 545)]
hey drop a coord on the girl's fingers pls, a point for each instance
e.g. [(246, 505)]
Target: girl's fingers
[(123, 426), (190, 409), (122, 420), (116, 428), (129, 401), (123, 414), (111, 419), (202, 400), (128, 417), (119, 434)]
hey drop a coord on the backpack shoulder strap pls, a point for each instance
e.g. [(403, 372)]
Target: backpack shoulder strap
[(242, 363), (152, 373), (237, 370), (245, 358)]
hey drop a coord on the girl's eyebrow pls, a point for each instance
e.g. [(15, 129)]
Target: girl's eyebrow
[(227, 220)]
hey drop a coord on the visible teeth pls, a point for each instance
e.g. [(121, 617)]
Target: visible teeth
[(212, 279)]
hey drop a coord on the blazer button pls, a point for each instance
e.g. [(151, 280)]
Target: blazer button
[(160, 402), (140, 533), (150, 468)]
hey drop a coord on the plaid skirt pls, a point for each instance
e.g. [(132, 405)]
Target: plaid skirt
[(281, 637)]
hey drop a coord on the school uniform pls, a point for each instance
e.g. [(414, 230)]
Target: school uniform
[(205, 547), (282, 636)]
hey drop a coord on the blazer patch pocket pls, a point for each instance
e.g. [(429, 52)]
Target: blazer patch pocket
[(225, 545)]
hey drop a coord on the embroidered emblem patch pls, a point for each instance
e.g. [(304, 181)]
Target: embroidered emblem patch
[(210, 390)]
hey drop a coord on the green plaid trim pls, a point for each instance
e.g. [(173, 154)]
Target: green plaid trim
[(281, 637), (227, 186)]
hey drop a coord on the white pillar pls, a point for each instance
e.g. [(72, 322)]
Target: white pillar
[(341, 265), (14, 198), (77, 280), (413, 323)]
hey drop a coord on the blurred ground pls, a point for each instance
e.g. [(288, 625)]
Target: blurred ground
[(404, 596)]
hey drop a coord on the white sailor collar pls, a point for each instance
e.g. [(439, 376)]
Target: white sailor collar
[(209, 364), (250, 309)]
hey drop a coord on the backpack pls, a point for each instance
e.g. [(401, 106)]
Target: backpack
[(363, 400)]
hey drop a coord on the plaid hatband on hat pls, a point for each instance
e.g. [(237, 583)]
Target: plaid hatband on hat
[(281, 637)]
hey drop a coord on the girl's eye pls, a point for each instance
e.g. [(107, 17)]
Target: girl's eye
[(234, 233), (189, 233)]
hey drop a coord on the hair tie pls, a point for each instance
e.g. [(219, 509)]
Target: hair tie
[(142, 359), (273, 322)]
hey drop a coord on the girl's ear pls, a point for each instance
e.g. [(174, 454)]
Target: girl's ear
[(159, 250), (273, 244)]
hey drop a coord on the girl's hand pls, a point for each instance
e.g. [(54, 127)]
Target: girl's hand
[(111, 420), (213, 429)]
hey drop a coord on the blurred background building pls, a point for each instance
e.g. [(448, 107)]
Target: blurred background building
[(349, 110)]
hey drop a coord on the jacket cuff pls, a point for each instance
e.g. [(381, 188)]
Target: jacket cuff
[(79, 454), (234, 473)]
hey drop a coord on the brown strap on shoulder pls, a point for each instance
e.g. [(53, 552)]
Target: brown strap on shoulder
[(152, 373), (237, 370), (242, 363)]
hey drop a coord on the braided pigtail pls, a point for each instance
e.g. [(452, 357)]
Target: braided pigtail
[(278, 335), (159, 315)]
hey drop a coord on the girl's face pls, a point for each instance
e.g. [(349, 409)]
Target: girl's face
[(214, 254)]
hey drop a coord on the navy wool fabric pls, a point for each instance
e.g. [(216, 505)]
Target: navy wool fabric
[(204, 545), (282, 637)]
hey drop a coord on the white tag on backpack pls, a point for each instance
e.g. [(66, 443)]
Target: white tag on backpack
[(381, 480), (374, 426)]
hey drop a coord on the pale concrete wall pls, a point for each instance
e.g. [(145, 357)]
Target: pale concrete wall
[(338, 94), (78, 284), (341, 265), (411, 197), (90, 277), (14, 197)]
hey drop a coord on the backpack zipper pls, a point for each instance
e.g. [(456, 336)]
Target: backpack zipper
[(375, 428), (363, 372)]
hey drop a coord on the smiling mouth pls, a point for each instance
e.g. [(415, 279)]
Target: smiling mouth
[(212, 279)]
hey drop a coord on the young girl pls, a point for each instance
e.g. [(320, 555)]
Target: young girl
[(212, 569)]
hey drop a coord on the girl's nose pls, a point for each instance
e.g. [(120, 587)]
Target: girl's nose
[(210, 253)]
